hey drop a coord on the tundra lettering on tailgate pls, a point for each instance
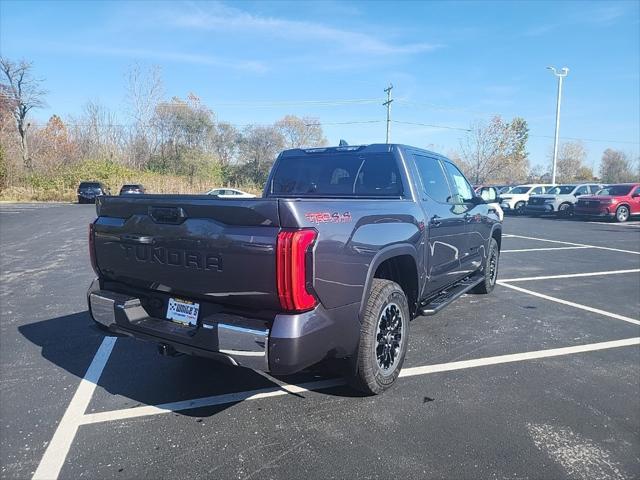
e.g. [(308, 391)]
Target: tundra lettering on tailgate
[(173, 257)]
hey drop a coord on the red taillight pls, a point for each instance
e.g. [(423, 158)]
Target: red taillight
[(92, 249), (291, 269)]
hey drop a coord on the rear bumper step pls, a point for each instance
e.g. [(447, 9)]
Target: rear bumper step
[(287, 344), (225, 338), (443, 299)]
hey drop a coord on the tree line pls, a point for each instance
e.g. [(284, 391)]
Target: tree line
[(184, 137)]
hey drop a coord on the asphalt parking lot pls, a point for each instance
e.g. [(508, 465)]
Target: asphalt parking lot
[(540, 379)]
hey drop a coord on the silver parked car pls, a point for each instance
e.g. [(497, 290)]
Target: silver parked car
[(230, 193), (560, 199)]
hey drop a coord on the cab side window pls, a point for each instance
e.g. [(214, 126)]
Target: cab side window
[(583, 190), (461, 191), (537, 191), (434, 181)]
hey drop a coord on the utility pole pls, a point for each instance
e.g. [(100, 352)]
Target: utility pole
[(561, 74), (388, 105)]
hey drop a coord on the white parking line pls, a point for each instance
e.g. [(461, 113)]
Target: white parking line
[(573, 244), (542, 249), (569, 275), (57, 451), (626, 224), (518, 357), (214, 400), (227, 398), (571, 304)]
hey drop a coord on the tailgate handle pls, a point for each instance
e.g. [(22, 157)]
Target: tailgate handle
[(173, 215), (143, 239)]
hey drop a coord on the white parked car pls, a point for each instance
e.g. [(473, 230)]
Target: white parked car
[(490, 195), (230, 193), (516, 200)]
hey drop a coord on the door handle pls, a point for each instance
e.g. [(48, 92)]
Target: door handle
[(435, 221)]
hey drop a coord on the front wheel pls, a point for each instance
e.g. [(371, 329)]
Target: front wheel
[(622, 213), (490, 269), (384, 338), (519, 208), (564, 210)]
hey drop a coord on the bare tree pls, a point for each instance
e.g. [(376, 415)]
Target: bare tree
[(225, 142), (144, 91), (97, 133), (259, 147), (301, 132), (615, 167), (495, 151), (24, 94), (570, 162)]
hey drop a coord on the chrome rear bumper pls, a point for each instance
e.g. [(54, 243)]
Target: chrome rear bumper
[(228, 338)]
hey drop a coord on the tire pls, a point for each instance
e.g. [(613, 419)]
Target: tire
[(622, 214), (564, 210), (380, 355), (490, 270), (518, 208)]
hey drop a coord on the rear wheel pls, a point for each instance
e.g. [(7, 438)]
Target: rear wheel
[(384, 338), (490, 270), (622, 213)]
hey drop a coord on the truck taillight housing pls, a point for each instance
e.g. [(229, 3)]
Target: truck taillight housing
[(92, 249), (293, 267)]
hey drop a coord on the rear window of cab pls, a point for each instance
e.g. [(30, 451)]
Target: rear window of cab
[(337, 175)]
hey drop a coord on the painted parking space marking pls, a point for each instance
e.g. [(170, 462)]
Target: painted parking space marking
[(58, 449), (570, 304), (211, 401), (277, 391), (572, 244), (546, 249), (570, 275), (626, 224), (518, 357)]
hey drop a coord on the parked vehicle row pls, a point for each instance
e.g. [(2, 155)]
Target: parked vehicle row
[(560, 200), (617, 202), (88, 191)]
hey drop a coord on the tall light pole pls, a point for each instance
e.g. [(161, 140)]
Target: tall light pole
[(561, 74)]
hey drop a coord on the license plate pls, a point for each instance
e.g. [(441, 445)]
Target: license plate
[(183, 311)]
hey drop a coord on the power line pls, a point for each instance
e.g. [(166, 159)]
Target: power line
[(433, 126)]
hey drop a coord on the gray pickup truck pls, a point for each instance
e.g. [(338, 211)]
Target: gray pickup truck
[(345, 247)]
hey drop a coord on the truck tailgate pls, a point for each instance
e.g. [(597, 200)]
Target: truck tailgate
[(220, 250)]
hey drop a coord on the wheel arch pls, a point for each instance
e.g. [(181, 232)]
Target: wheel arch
[(496, 233), (398, 263)]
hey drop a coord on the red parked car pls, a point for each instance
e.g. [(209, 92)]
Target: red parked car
[(617, 202)]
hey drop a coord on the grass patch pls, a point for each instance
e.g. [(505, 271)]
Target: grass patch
[(61, 185)]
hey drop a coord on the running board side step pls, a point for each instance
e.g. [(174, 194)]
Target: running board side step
[(447, 296)]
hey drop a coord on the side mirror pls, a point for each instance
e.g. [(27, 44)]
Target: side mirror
[(488, 194), (635, 195)]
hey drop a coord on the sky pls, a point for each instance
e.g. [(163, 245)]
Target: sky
[(452, 64)]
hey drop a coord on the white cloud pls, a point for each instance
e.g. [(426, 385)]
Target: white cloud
[(181, 57), (221, 17)]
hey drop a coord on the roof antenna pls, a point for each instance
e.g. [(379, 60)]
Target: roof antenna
[(343, 143)]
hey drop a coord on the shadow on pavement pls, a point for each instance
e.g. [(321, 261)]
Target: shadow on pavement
[(137, 375)]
